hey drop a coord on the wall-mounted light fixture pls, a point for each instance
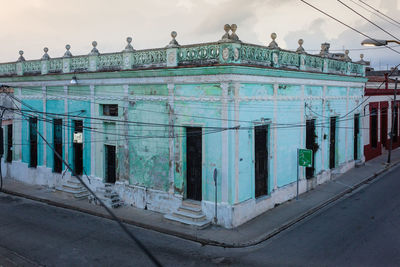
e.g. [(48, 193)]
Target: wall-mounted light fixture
[(73, 80)]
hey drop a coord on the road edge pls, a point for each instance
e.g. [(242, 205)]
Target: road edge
[(205, 241)]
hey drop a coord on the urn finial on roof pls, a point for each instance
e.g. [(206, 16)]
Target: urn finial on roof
[(324, 49), (273, 44), (233, 35), (346, 55), (67, 53), (226, 36), (300, 49), (129, 47), (45, 56), (95, 51), (21, 57), (173, 42), (362, 61)]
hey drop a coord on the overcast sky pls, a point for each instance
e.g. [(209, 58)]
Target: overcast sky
[(30, 25)]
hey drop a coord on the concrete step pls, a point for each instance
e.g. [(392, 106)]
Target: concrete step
[(189, 216), (82, 195), (198, 225), (111, 195), (73, 180), (73, 186), (193, 210), (73, 191), (117, 204), (191, 203)]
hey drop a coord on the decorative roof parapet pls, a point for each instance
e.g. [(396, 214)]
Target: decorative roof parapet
[(204, 54)]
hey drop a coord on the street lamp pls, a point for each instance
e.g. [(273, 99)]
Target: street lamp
[(376, 42)]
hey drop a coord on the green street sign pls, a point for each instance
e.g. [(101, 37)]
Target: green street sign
[(305, 157)]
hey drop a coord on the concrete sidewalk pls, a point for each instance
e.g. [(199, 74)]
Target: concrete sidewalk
[(251, 233)]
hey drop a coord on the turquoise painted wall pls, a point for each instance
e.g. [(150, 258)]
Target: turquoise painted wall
[(149, 146)]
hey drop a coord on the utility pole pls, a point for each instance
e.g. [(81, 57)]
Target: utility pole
[(2, 110), (394, 109)]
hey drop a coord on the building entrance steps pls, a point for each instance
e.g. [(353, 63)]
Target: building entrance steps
[(253, 232), (74, 187), (109, 197), (189, 214)]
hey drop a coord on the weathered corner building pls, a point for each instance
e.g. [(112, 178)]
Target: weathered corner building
[(157, 123)]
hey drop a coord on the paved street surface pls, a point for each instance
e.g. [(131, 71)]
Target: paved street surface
[(362, 229)]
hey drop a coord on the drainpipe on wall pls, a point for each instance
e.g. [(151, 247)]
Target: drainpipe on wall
[(1, 146), (215, 182), (386, 81), (394, 109)]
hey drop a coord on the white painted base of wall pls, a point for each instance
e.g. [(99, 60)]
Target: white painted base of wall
[(229, 216), (136, 196)]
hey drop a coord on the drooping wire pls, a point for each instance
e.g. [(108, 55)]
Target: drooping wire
[(370, 21), (348, 26), (395, 21), (376, 14), (124, 228)]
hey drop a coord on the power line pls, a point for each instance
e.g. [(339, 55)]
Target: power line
[(380, 12), (124, 228), (348, 26), (376, 14), (373, 23)]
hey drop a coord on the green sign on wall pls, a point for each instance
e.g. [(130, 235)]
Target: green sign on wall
[(305, 157)]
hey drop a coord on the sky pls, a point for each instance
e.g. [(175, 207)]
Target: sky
[(31, 25)]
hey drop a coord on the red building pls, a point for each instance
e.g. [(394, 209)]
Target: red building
[(378, 106)]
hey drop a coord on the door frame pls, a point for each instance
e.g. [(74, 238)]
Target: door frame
[(106, 161), (184, 153), (269, 162)]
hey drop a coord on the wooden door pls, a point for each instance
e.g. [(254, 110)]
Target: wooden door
[(332, 143), (356, 134), (9, 142), (32, 142), (57, 137), (194, 163), (78, 149), (110, 154), (384, 126), (373, 127), (311, 144), (261, 160)]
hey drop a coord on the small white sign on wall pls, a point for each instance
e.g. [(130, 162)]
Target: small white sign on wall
[(78, 137)]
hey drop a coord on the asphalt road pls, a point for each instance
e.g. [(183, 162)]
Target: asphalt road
[(362, 229)]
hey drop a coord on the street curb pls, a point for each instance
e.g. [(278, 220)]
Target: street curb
[(205, 241)]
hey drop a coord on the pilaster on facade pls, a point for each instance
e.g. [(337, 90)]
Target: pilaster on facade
[(347, 122), (66, 122), (275, 138), (93, 134), (126, 161), (236, 111), (171, 135), (303, 122), (323, 142), (225, 148), (44, 123)]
